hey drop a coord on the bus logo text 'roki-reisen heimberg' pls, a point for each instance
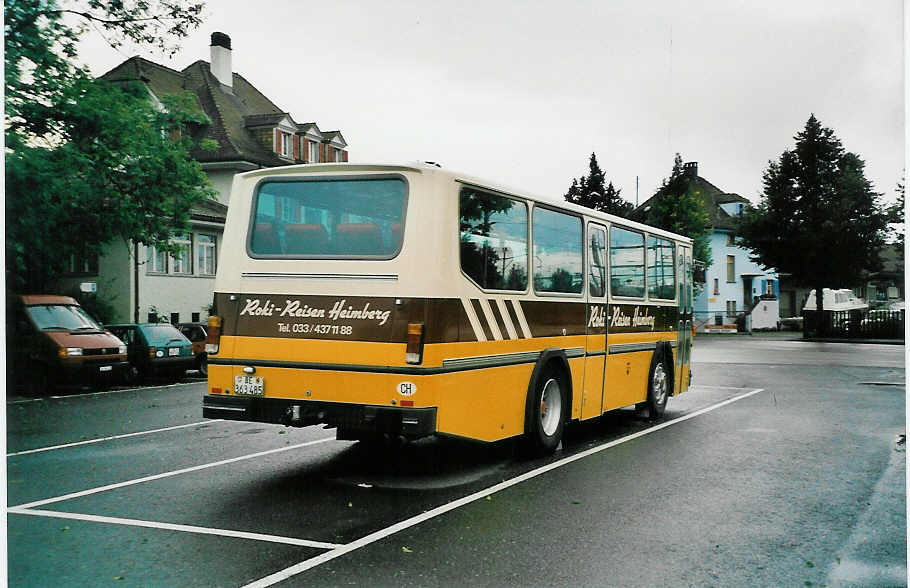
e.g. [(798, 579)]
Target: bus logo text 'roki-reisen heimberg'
[(294, 309), (619, 318)]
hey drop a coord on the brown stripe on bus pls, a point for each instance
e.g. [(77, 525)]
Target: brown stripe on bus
[(510, 306), (499, 322), (482, 319)]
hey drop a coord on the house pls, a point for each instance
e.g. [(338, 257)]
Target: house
[(250, 132), (735, 289)]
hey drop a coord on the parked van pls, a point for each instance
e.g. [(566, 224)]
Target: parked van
[(51, 340)]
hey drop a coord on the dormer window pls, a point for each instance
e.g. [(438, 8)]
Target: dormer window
[(313, 156), (286, 144)]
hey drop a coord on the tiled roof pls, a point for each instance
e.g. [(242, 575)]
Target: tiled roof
[(713, 197), (230, 110), (336, 136), (209, 210), (256, 120)]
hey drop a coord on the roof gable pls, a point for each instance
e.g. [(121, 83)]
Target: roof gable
[(235, 113)]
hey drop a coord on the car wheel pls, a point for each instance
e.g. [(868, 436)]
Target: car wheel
[(38, 382), (659, 382), (204, 366)]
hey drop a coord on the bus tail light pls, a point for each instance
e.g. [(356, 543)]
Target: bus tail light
[(213, 334), (414, 351)]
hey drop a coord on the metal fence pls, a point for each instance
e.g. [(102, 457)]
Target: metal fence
[(856, 324)]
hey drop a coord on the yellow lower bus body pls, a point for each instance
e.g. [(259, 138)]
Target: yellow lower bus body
[(480, 403)]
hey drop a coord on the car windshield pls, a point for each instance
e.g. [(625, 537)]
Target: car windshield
[(162, 334), (62, 316)]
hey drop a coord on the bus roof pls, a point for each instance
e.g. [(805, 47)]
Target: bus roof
[(467, 179)]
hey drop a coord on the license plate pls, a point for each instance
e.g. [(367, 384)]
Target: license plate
[(173, 351), (105, 368), (249, 385)]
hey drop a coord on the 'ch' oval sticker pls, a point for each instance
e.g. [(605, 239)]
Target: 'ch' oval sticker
[(407, 388)]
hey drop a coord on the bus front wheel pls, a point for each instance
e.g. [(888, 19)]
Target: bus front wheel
[(547, 414)]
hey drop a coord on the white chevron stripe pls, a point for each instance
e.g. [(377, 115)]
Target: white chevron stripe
[(491, 320), (472, 318), (516, 304), (501, 304)]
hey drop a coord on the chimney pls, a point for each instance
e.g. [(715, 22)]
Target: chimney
[(690, 169), (221, 59)]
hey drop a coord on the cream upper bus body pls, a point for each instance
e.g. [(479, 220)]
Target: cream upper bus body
[(426, 264)]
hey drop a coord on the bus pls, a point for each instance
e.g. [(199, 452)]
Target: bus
[(409, 300)]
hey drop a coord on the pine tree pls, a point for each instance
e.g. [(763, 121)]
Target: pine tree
[(819, 218), (593, 191)]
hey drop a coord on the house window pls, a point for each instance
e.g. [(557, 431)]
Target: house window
[(314, 152), (769, 288), (205, 254), (716, 286), (286, 144), (182, 260), (731, 308), (731, 269), (339, 155), (157, 261), (80, 264), (175, 318)]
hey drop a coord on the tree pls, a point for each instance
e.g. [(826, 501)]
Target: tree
[(677, 208), (897, 217), (88, 162), (819, 218), (591, 191)]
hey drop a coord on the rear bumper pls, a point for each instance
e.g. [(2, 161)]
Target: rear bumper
[(353, 418)]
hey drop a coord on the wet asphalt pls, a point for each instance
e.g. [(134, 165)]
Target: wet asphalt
[(801, 483)]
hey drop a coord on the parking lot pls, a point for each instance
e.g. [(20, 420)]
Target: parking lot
[(132, 487)]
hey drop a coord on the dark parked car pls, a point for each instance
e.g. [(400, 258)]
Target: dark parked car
[(196, 333), (52, 340), (155, 348)]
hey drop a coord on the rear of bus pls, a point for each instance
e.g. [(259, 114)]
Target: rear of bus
[(320, 310)]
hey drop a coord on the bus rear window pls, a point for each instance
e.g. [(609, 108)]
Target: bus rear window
[(332, 219)]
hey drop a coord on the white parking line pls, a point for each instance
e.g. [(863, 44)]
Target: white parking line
[(65, 396), (407, 523), (164, 475), (100, 439), (172, 527)]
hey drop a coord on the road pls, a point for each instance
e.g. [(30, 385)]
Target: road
[(781, 466)]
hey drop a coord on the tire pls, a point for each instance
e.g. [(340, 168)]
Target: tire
[(660, 381), (203, 365), (132, 375), (38, 381), (547, 414)]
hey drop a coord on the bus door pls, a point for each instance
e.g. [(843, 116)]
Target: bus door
[(684, 320), (596, 329)]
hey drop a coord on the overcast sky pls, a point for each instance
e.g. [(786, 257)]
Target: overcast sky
[(522, 92)]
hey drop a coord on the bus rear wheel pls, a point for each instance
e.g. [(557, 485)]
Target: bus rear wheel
[(659, 382), (547, 414)]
